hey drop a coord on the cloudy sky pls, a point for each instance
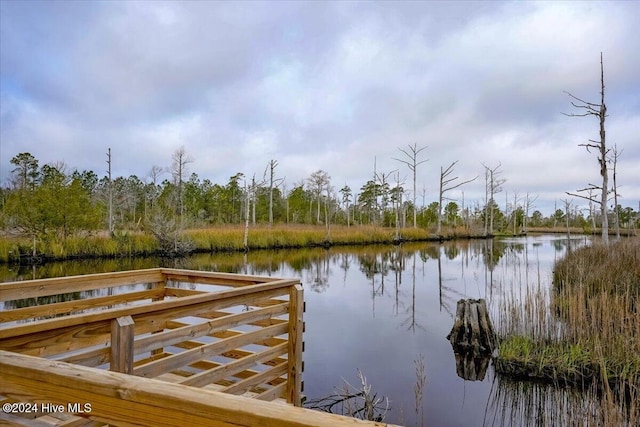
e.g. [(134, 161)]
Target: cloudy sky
[(336, 86)]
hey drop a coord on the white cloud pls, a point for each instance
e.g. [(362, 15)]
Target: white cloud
[(329, 86)]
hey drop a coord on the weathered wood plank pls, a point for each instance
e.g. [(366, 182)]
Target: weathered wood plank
[(224, 299), (245, 385), (224, 371), (267, 322), (273, 393), (163, 319), (269, 342), (178, 360), (214, 277), (60, 285), (77, 305), (100, 356), (15, 420), (47, 343), (92, 357), (69, 420), (127, 400), (147, 318), (80, 422), (174, 336), (178, 292), (205, 365)]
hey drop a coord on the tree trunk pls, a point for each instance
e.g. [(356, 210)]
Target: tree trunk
[(473, 339), (472, 329), (603, 160)]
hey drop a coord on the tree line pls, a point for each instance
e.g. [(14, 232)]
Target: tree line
[(52, 201)]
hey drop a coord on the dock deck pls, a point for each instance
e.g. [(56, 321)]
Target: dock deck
[(154, 347)]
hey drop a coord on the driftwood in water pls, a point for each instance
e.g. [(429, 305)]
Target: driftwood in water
[(473, 339), (472, 329)]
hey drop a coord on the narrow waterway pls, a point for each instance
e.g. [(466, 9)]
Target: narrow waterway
[(385, 311)]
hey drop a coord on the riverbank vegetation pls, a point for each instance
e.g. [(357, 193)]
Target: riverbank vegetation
[(216, 239), (584, 331), (52, 212)]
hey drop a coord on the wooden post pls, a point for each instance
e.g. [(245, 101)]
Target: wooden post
[(122, 333), (294, 356)]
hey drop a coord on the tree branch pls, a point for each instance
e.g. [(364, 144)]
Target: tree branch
[(591, 199), (582, 100)]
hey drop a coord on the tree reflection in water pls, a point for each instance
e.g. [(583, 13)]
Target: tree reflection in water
[(378, 307)]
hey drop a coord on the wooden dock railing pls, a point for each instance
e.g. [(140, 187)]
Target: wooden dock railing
[(235, 334), (113, 398)]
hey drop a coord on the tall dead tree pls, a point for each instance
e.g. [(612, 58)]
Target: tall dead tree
[(493, 185), (396, 198), (151, 188), (271, 167), (528, 204), (179, 170), (250, 199), (567, 216), (514, 208), (599, 111), (110, 192), (413, 163), (614, 157), (447, 183)]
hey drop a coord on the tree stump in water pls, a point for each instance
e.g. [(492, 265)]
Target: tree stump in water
[(473, 339)]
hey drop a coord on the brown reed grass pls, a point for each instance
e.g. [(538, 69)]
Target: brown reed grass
[(585, 330)]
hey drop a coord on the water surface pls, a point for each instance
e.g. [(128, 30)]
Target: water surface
[(382, 309)]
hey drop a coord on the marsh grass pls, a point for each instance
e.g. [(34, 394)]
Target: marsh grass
[(584, 331), (217, 239), (525, 403), (264, 237)]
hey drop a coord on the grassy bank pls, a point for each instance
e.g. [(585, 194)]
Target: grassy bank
[(585, 330), (216, 239), (625, 232)]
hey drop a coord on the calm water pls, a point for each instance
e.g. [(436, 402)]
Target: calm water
[(381, 309)]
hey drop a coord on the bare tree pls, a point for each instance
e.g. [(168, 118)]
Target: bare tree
[(250, 198), (413, 163), (493, 186), (151, 188), (528, 204), (273, 182), (447, 183), (396, 197), (592, 210), (317, 183), (567, 216), (616, 207), (179, 171), (514, 208), (327, 223), (599, 111), (110, 192)]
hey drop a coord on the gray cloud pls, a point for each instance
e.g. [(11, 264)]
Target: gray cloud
[(317, 85)]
